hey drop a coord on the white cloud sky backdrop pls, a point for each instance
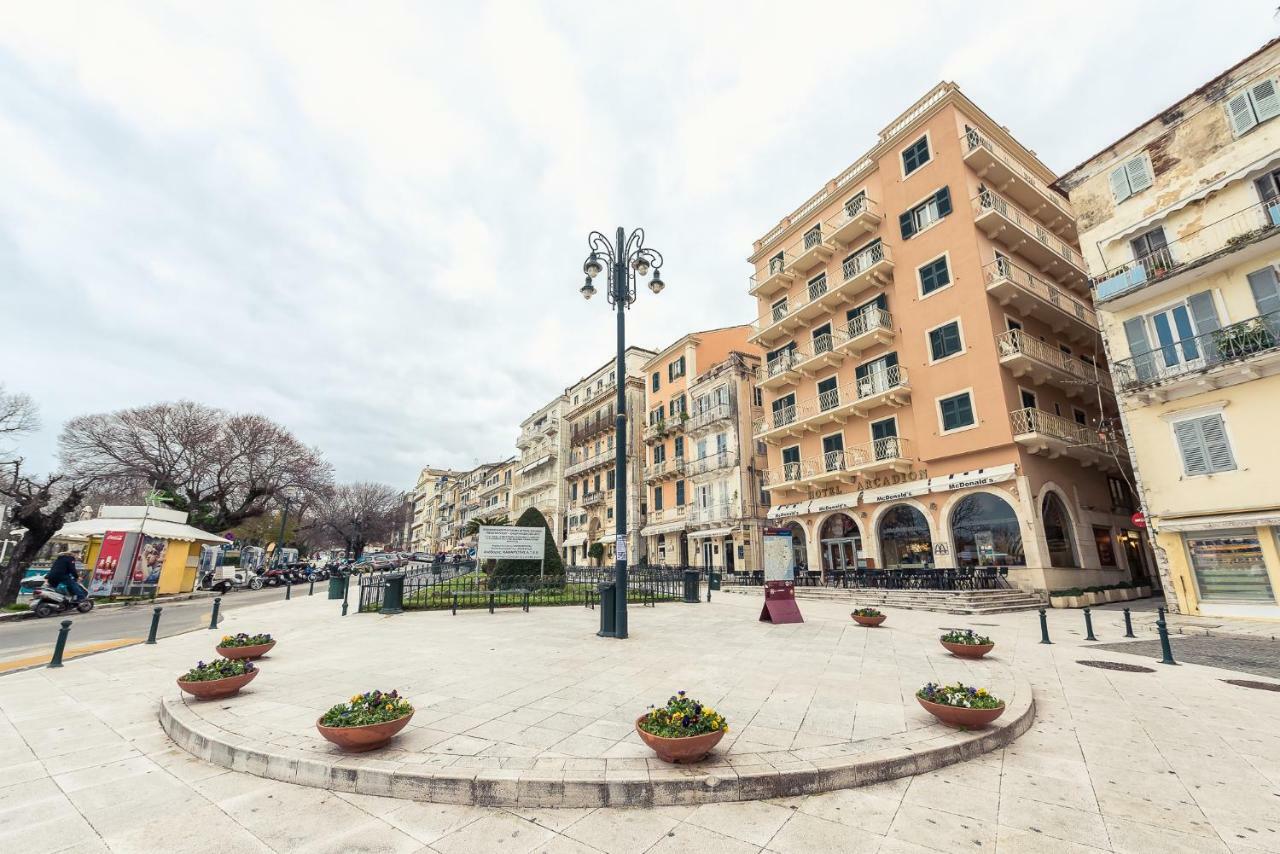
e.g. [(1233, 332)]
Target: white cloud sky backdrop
[(367, 220)]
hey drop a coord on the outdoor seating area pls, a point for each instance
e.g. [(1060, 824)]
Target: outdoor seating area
[(893, 578)]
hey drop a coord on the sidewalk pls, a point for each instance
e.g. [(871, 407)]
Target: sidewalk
[(140, 603), (1172, 760), (1144, 622)]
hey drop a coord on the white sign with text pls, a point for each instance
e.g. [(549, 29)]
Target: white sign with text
[(499, 542)]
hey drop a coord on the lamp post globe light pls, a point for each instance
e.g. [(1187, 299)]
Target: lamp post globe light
[(622, 261)]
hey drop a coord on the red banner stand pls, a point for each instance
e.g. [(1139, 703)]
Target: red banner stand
[(780, 603)]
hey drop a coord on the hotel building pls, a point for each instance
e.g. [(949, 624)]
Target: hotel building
[(1181, 218), (933, 388), (544, 446), (700, 451), (590, 478)]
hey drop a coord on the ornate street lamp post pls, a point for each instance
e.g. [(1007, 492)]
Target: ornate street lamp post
[(623, 260)]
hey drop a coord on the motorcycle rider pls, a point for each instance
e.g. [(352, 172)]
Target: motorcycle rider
[(63, 572)]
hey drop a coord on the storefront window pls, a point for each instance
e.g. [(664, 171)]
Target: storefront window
[(798, 546), (904, 537), (1229, 567), (841, 543), (1057, 532), (1106, 546), (985, 532)]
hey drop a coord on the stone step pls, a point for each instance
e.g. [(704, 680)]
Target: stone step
[(960, 602)]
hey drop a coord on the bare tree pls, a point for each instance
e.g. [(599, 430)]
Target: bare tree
[(356, 514), (18, 416), (220, 467)]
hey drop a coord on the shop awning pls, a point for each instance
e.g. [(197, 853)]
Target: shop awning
[(711, 532), (1263, 519), (833, 502), (782, 511), (165, 530), (667, 528), (575, 539), (977, 477)]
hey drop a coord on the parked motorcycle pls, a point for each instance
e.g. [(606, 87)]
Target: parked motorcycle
[(274, 577), (227, 578), (47, 601)]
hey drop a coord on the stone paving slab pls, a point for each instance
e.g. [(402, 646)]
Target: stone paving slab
[(533, 709)]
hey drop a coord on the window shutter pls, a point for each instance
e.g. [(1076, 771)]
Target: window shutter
[(1266, 291), (1205, 318), (1139, 171), (1217, 449), (1240, 113), (907, 223), (1139, 348), (1120, 184), (943, 200), (1266, 100), (1191, 446)]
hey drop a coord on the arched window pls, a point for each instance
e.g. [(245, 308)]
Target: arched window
[(799, 546), (904, 537), (1057, 531), (985, 532), (841, 543)]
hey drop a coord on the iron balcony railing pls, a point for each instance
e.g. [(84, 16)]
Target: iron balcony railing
[(1235, 343), (712, 462), (860, 262), (1004, 269), (988, 200), (668, 514), (817, 288), (1231, 232), (974, 140), (1031, 420), (867, 320), (719, 512), (597, 498), (713, 413), (1016, 342), (579, 463), (830, 232), (789, 473), (533, 433), (873, 384), (882, 449)]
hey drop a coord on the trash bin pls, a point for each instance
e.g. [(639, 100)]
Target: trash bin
[(392, 594), (691, 577), (337, 582), (713, 581), (608, 609)]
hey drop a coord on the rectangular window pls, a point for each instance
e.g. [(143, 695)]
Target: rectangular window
[(573, 491), (934, 275), (657, 497), (679, 447), (915, 155), (597, 483), (1081, 417), (655, 382), (1028, 399), (945, 340), (1120, 495), (1229, 566), (609, 479), (1203, 444), (679, 493), (1131, 177), (828, 394), (925, 214), (675, 369), (957, 411), (659, 453), (1106, 546), (1151, 245), (757, 396)]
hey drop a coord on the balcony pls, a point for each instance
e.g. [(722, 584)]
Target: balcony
[(663, 428), (708, 417), (869, 327), (725, 511), (1218, 246), (530, 435), (589, 430), (887, 387), (712, 462), (1015, 229), (1225, 357), (1045, 434), (535, 480), (835, 467), (667, 514), (997, 167), (859, 217), (869, 268), (1065, 315), (884, 387), (580, 464), (776, 278), (1042, 363), (664, 469), (788, 475), (597, 499), (812, 251), (891, 453)]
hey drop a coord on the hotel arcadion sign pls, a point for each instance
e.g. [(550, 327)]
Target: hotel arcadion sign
[(894, 487)]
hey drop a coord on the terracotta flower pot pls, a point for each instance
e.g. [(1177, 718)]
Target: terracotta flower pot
[(958, 716), (247, 652), (358, 739), (681, 750), (869, 622), (216, 689), (969, 650)]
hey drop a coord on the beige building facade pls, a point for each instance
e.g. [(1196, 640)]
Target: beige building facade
[(934, 391), (1181, 218), (544, 447)]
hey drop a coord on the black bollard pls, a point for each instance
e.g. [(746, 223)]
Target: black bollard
[(1128, 624), (1044, 628), (213, 619), (346, 589), (1163, 628), (311, 591), (155, 625), (1088, 626), (61, 644)]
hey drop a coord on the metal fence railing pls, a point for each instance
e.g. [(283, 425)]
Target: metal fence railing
[(440, 588)]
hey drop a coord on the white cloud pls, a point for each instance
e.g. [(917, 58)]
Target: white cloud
[(367, 221)]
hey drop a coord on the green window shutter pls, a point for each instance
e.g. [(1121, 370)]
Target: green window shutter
[(1139, 171), (942, 199), (1266, 291), (1266, 100), (1240, 113), (1120, 184), (1203, 312), (907, 222), (1191, 446), (1217, 449), (1139, 349)]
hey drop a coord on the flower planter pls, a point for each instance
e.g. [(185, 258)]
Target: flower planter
[(358, 739), (216, 689), (959, 716), (680, 750), (245, 652), (968, 650), (869, 622)]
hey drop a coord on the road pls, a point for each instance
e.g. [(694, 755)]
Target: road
[(27, 642)]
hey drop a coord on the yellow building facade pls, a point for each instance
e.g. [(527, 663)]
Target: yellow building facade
[(1180, 224)]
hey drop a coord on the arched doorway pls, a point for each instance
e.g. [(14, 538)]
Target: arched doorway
[(799, 546), (841, 542), (905, 538), (985, 532), (1057, 531)]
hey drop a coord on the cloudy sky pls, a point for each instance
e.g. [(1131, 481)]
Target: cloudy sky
[(367, 220)]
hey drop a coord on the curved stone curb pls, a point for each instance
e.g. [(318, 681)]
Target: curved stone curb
[(898, 757)]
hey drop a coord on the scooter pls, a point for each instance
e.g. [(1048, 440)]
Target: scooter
[(227, 578), (274, 577), (47, 601)]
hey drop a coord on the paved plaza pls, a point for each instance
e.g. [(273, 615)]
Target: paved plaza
[(1173, 760)]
